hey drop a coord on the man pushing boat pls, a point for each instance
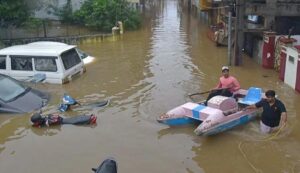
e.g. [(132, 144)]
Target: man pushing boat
[(274, 115)]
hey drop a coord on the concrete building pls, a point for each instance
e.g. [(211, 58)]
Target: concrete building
[(279, 16), (42, 8), (290, 66), (268, 31)]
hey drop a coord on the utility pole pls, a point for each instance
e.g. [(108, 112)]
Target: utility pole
[(229, 37), (44, 28), (239, 32)]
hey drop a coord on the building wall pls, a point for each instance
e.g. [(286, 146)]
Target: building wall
[(291, 67), (204, 4), (42, 7), (297, 37), (133, 1), (257, 50)]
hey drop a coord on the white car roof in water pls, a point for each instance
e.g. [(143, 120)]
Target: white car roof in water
[(41, 48)]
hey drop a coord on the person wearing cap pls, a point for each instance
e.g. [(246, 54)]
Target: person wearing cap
[(274, 114), (226, 87)]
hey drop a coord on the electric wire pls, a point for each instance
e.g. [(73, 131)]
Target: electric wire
[(268, 138)]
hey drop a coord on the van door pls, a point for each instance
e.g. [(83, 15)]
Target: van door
[(3, 65), (72, 63), (21, 67), (48, 66)]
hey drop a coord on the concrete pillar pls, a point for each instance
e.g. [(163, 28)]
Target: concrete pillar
[(270, 19), (239, 32), (118, 29), (268, 51), (120, 24)]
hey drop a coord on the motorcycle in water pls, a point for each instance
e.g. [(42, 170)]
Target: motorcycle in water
[(68, 101), (107, 166), (39, 120)]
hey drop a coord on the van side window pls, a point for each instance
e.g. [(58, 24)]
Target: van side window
[(45, 64), (70, 58), (21, 63), (2, 62)]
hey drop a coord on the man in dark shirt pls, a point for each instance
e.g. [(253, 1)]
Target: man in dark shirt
[(274, 113)]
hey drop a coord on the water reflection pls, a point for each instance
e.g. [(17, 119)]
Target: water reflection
[(187, 130), (47, 131), (169, 64), (53, 130), (12, 128)]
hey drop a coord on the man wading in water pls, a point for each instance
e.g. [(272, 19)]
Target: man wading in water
[(274, 114)]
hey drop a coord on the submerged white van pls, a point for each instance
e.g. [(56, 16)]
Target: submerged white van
[(59, 62)]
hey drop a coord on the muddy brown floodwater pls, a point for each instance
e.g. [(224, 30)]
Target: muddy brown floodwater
[(145, 73)]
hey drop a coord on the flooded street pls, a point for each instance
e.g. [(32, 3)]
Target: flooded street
[(145, 73)]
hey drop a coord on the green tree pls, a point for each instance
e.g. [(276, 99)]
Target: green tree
[(104, 14), (13, 12), (65, 13)]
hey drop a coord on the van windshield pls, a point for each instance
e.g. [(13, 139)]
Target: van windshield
[(70, 58), (10, 89), (82, 54), (2, 62)]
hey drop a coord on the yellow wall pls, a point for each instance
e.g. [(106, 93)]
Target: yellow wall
[(205, 4)]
